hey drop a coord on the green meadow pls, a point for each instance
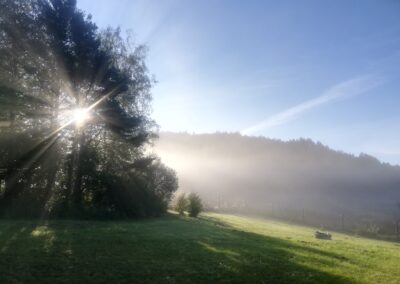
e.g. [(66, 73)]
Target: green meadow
[(215, 248)]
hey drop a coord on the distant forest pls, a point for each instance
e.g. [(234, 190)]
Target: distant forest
[(299, 180)]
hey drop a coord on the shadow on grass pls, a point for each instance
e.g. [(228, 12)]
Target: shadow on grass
[(165, 250)]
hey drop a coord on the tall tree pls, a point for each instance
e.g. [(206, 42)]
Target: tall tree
[(79, 100)]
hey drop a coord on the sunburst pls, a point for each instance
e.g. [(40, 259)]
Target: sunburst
[(80, 116)]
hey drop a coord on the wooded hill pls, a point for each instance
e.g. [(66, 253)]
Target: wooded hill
[(299, 180)]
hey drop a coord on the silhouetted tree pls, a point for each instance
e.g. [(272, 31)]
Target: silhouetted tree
[(53, 60)]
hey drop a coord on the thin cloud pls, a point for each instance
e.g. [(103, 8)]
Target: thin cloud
[(341, 91)]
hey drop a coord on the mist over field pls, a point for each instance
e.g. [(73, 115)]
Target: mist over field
[(101, 182), (298, 180)]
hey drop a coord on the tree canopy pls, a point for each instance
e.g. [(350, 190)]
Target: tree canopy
[(75, 117)]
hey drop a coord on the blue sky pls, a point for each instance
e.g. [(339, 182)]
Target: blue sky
[(325, 70)]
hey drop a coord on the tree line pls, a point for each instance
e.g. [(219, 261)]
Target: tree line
[(298, 180), (54, 62)]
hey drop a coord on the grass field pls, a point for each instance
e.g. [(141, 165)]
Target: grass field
[(215, 248)]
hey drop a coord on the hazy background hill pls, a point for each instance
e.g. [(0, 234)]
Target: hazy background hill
[(299, 180)]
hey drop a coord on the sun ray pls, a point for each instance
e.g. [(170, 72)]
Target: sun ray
[(26, 165), (89, 108)]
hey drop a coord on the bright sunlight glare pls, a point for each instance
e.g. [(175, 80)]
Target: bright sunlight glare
[(80, 116)]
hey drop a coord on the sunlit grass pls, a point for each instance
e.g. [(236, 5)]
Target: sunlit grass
[(215, 248)]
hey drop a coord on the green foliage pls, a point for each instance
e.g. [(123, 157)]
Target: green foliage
[(195, 205), (181, 204), (53, 59), (213, 249)]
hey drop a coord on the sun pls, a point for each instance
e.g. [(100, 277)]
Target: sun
[(80, 116)]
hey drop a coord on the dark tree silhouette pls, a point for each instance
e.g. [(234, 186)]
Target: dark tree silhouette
[(54, 63)]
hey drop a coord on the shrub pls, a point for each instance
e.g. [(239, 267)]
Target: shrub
[(195, 205), (181, 204)]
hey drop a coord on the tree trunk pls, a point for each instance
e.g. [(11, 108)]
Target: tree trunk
[(52, 158), (75, 174)]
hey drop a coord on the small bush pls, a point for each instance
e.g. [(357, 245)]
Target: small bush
[(181, 204), (195, 205)]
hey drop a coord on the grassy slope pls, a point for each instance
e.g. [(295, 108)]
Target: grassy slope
[(216, 248)]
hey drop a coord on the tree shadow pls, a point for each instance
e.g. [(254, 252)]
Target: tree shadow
[(165, 250)]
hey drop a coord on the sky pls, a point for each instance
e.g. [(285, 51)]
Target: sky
[(325, 70)]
